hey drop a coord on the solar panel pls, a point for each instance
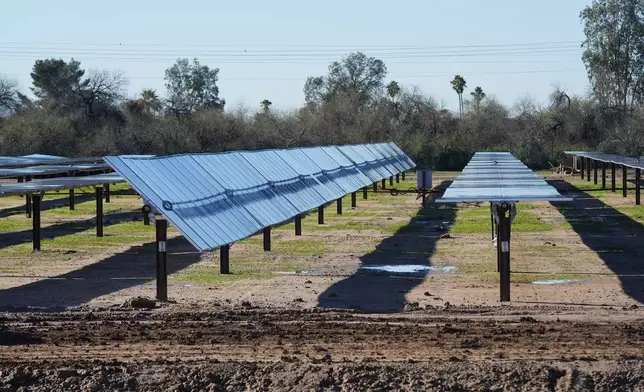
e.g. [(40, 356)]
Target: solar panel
[(633, 163), (53, 184), (498, 177), (216, 199), (49, 170)]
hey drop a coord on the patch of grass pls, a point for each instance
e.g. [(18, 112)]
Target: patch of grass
[(239, 270), (477, 220), (309, 247), (11, 224)]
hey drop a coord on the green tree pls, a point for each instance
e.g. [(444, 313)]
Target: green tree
[(477, 96), (459, 84), (192, 87), (614, 51), (58, 84), (356, 76), (393, 90), (266, 104)]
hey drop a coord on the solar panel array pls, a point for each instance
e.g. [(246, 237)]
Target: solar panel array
[(498, 177), (47, 170), (634, 163), (56, 184), (39, 159), (217, 199)]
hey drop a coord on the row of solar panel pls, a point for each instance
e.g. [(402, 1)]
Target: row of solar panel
[(40, 159), (498, 177), (216, 199), (634, 163)]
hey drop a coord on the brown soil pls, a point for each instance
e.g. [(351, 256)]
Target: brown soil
[(218, 348)]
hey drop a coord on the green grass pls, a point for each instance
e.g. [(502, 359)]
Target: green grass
[(477, 220), (239, 269), (14, 223)]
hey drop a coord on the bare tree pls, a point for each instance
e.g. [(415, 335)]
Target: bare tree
[(9, 98), (103, 89)]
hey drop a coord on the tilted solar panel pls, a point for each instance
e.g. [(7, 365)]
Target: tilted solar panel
[(498, 177), (216, 199)]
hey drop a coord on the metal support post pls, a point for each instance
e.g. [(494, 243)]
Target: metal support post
[(637, 186), (107, 193), (354, 200), (267, 239), (162, 265), (145, 210), (339, 206), (321, 215), (603, 175), (72, 200), (35, 199), (595, 163), (613, 169), (624, 181), (224, 260), (375, 187), (503, 246), (364, 193), (298, 224), (383, 184), (99, 211), (391, 181), (28, 199), (397, 178), (403, 176), (588, 163), (582, 161)]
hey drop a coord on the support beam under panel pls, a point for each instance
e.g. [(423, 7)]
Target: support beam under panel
[(72, 200), (595, 164), (339, 206), (224, 260), (162, 263), (354, 200), (321, 215), (397, 178), (267, 239), (28, 199), (391, 181), (375, 187), (403, 176), (298, 224), (99, 211), (603, 175), (35, 199), (145, 210), (107, 193), (624, 182), (613, 169), (503, 248), (364, 193), (638, 174), (383, 184), (588, 164), (582, 160)]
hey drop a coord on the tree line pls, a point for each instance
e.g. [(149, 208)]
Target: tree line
[(78, 112)]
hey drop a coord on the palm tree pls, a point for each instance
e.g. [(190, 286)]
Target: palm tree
[(477, 95), (459, 84), (149, 101), (266, 104), (393, 89)]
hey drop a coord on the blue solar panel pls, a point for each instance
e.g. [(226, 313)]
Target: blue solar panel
[(216, 199), (498, 177), (633, 163)]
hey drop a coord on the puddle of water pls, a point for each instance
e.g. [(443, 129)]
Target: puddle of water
[(408, 268), (557, 281)]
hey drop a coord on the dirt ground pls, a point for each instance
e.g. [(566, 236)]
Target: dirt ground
[(330, 310)]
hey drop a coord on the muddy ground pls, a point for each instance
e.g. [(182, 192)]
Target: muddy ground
[(309, 316)]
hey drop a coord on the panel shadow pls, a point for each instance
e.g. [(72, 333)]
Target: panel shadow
[(378, 289), (614, 236), (134, 267)]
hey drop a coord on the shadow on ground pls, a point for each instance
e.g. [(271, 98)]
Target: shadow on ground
[(613, 235), (134, 267), (381, 291), (66, 228)]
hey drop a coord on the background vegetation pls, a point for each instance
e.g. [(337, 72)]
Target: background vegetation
[(77, 112)]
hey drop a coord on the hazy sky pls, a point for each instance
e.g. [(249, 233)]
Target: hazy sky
[(266, 49)]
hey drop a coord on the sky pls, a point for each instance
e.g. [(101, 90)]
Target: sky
[(267, 49)]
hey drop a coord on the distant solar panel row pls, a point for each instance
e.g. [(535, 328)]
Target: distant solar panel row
[(56, 184), (46, 170), (633, 163), (498, 177), (217, 199), (39, 159)]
